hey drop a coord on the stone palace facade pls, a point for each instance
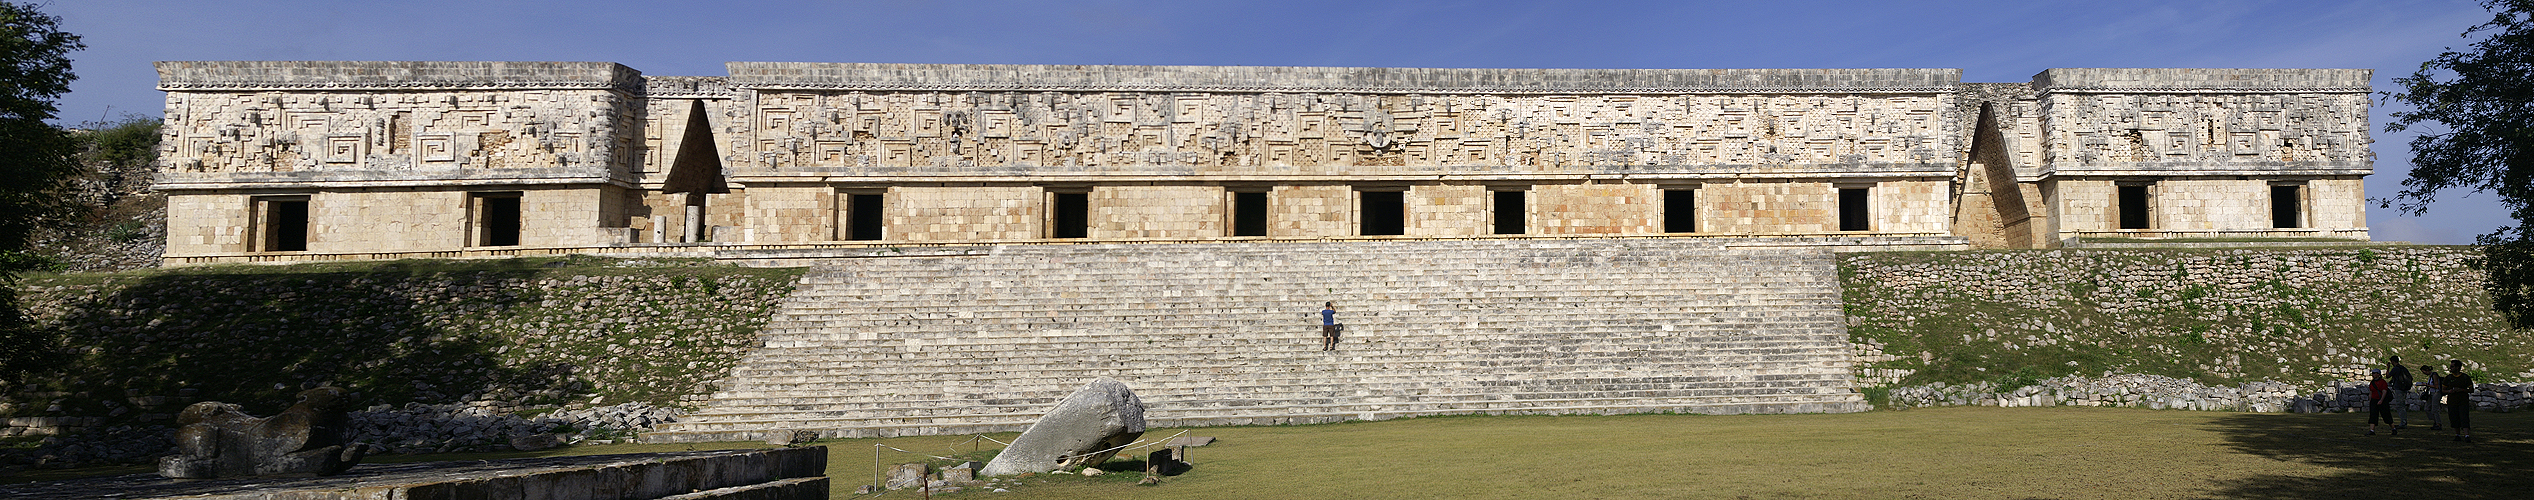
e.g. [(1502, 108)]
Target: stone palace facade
[(307, 160)]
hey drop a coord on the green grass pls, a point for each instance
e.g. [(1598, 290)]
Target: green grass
[(1968, 452)]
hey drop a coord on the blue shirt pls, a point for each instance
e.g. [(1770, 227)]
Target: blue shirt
[(1328, 316)]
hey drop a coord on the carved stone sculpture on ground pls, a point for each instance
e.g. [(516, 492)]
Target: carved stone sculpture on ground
[(1081, 431), (218, 440)]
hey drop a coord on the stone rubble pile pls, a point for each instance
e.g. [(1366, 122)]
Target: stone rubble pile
[(442, 428), (2148, 391)]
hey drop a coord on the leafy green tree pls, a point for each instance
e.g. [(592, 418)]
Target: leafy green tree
[(36, 160), (2483, 98)]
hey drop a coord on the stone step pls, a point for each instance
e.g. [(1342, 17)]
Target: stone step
[(1018, 402), (859, 428)]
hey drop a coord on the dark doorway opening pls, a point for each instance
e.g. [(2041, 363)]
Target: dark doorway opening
[(1854, 215), (863, 216), (498, 219), (1680, 210), (1249, 213), (2285, 206), (2133, 208), (285, 224), (1073, 215), (1510, 212), (1385, 213)]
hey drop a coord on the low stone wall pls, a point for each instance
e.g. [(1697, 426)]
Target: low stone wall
[(777, 474), (2123, 390), (2168, 393), (2496, 397)]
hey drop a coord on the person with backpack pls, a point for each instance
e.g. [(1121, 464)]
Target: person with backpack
[(2398, 379)]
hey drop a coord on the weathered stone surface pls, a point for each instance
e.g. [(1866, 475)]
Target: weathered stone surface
[(960, 474), (1079, 432), (791, 437), (903, 476), (217, 440), (777, 474)]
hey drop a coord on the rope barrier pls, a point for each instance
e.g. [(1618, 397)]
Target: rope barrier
[(902, 450)]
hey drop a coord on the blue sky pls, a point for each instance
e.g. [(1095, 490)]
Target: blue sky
[(1992, 41)]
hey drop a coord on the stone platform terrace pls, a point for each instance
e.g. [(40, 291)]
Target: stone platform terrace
[(1227, 334), (775, 474)]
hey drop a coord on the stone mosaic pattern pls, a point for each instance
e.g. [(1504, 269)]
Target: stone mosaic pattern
[(2171, 119), (881, 132)]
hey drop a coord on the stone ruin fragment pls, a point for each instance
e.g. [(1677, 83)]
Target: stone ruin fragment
[(217, 440), (1082, 430)]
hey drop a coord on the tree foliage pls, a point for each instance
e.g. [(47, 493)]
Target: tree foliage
[(36, 159), (2483, 99)]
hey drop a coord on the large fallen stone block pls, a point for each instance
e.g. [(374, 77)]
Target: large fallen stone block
[(218, 440), (1081, 431)]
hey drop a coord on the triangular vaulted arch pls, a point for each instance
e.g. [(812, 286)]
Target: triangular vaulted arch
[(697, 167)]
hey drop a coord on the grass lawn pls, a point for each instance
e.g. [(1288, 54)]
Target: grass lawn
[(1926, 453)]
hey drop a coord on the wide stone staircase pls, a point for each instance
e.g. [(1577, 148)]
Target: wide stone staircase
[(1227, 334)]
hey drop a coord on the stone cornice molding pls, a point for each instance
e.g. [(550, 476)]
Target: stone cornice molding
[(395, 75), (2202, 81), (1282, 79)]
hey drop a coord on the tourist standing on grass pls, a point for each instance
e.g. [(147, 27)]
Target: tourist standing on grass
[(2458, 399), (2398, 379), (1328, 326), (2430, 393), (2378, 396)]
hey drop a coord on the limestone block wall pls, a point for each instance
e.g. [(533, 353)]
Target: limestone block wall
[(1768, 206), (405, 220), (1311, 210), (1596, 209), (658, 217), (1911, 207), (966, 213), (395, 219), (2336, 202), (796, 213), (1157, 212), (2088, 204), (563, 216), (2202, 204), (205, 224), (727, 210), (1452, 210)]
